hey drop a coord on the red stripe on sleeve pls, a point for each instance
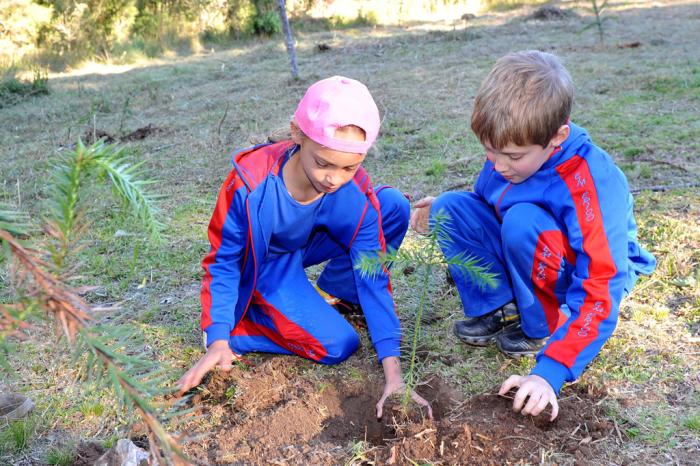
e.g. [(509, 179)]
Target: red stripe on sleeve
[(216, 225), (601, 268)]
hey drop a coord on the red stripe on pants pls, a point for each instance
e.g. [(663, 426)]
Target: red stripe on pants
[(551, 248), (288, 334)]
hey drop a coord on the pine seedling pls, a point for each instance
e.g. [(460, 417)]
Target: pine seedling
[(597, 9), (13, 222), (424, 259)]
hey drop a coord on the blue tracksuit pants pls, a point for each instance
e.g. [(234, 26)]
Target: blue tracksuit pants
[(287, 314), (527, 250)]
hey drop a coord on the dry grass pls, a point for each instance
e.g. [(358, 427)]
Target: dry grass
[(641, 103)]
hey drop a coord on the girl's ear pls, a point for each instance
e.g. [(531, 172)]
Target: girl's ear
[(297, 135), (562, 133)]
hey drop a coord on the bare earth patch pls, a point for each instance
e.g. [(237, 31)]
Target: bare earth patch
[(270, 415)]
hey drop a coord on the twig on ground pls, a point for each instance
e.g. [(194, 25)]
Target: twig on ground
[(663, 162), (221, 122), (166, 146), (666, 187)]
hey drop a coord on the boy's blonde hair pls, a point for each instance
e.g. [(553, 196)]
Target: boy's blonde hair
[(524, 100)]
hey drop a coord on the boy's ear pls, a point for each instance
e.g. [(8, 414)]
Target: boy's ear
[(297, 135), (562, 133)]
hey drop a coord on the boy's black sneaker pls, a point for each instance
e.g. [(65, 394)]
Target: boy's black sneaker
[(514, 343), (480, 331)]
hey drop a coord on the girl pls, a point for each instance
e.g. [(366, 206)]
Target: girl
[(292, 204)]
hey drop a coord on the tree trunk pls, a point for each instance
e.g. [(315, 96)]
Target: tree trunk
[(288, 39)]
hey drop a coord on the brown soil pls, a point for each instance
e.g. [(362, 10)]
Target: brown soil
[(87, 453), (141, 133), (271, 415), (92, 135)]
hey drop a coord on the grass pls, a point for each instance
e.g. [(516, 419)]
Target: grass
[(14, 89), (638, 103), (16, 436), (62, 456)]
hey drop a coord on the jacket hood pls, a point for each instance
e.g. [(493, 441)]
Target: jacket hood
[(577, 138)]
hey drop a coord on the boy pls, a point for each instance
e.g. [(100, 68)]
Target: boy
[(551, 214)]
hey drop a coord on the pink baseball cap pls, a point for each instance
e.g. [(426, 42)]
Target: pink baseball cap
[(335, 102)]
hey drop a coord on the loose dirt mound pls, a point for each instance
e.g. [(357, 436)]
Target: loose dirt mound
[(92, 135), (487, 431), (87, 453), (551, 13), (272, 414)]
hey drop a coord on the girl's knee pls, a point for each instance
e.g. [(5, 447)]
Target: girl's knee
[(341, 347), (394, 205)]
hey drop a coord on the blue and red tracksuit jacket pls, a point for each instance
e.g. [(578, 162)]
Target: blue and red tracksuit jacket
[(588, 196), (239, 233)]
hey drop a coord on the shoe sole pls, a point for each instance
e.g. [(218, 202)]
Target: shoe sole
[(483, 340), (477, 341), (514, 354)]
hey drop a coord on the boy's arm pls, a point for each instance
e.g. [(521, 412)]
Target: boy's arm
[(222, 265), (591, 202)]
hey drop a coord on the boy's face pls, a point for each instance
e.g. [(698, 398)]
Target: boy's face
[(518, 163)]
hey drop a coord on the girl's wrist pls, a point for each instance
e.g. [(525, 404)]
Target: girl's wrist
[(392, 368)]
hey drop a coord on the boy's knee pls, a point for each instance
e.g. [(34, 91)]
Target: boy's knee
[(522, 222), (342, 346), (446, 203)]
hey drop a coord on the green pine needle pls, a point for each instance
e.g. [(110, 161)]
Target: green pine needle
[(96, 162), (13, 222)]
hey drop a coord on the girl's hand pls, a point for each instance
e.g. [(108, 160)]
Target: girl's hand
[(218, 354), (421, 215), (537, 389), (391, 389), (394, 384)]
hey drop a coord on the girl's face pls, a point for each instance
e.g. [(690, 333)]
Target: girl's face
[(327, 169)]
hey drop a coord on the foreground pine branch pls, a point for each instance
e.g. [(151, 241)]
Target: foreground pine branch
[(85, 165), (73, 319)]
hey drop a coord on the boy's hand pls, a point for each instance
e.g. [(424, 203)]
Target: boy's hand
[(218, 354), (421, 215), (394, 384), (537, 389)]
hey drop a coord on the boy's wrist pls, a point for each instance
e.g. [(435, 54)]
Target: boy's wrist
[(555, 373)]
